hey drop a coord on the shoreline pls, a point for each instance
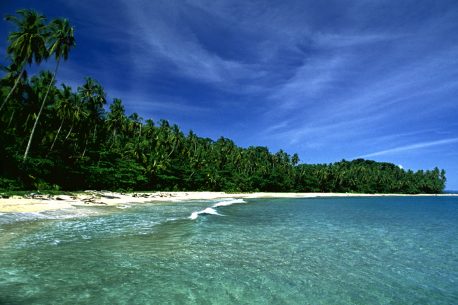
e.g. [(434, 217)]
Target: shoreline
[(39, 203)]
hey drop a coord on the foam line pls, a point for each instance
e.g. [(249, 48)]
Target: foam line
[(228, 202)]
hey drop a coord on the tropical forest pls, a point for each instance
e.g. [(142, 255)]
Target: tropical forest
[(56, 137)]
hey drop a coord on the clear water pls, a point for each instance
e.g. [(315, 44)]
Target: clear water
[(398, 250)]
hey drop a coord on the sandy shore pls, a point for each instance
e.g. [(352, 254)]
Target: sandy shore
[(39, 203)]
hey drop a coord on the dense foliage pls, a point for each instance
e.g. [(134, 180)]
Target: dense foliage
[(57, 137)]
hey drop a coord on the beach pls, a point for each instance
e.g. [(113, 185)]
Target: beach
[(34, 203)]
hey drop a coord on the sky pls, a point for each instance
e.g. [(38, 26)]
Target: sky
[(329, 80)]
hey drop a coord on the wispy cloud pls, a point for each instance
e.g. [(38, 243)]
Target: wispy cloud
[(156, 105), (163, 38), (416, 146), (333, 40), (350, 97)]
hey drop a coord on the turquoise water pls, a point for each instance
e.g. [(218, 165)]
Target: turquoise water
[(396, 250)]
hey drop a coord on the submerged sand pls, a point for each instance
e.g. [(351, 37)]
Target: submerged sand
[(40, 203)]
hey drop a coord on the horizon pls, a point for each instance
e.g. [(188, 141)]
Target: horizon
[(327, 81)]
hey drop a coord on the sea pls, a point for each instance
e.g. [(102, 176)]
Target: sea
[(361, 250)]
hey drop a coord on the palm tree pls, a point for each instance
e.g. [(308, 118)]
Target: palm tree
[(66, 107), (116, 118), (12, 73), (61, 40), (27, 44), (93, 98), (135, 121)]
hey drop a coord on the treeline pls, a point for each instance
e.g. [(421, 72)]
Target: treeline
[(366, 176), (57, 137)]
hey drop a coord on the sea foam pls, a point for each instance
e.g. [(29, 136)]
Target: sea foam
[(206, 211), (228, 202), (61, 214), (212, 211)]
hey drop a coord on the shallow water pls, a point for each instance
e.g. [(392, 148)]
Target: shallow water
[(390, 250)]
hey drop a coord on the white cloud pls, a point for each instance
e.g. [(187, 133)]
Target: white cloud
[(416, 146)]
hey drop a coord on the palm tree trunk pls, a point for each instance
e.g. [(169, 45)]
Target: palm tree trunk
[(69, 132), (26, 122), (73, 124), (26, 153), (94, 135), (57, 134), (12, 89), (85, 146), (113, 138), (11, 118)]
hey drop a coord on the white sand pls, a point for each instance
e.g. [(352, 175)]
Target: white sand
[(41, 203)]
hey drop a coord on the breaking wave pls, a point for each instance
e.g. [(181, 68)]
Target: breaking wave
[(207, 211), (211, 210)]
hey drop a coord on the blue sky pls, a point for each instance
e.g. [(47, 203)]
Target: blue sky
[(329, 80)]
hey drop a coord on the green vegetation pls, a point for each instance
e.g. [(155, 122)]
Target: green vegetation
[(58, 138)]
